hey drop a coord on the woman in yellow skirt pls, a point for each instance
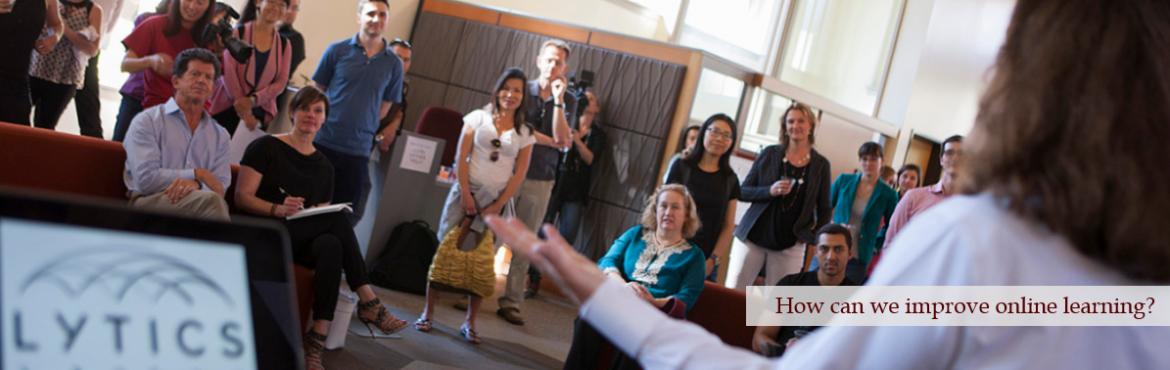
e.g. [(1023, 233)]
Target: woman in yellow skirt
[(491, 164)]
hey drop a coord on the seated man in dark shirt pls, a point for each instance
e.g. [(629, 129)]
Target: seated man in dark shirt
[(834, 248)]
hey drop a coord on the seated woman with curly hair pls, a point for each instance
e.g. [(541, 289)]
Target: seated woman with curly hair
[(656, 263)]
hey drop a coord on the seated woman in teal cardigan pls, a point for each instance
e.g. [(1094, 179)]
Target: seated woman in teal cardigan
[(866, 205), (656, 262)]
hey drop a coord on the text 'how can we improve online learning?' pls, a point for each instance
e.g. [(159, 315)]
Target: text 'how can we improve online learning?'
[(956, 306)]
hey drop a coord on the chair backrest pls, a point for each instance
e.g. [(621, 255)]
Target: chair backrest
[(445, 124), (55, 161), (720, 311)]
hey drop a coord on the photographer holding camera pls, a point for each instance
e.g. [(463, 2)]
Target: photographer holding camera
[(253, 76), (153, 45), (575, 172)]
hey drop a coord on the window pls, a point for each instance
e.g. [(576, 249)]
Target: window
[(110, 64), (717, 93), (840, 49), (739, 30), (763, 126)]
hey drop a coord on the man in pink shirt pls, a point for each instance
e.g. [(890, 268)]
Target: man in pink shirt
[(918, 200)]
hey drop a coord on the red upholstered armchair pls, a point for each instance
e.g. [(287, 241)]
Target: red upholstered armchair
[(718, 309), (445, 124), (49, 160)]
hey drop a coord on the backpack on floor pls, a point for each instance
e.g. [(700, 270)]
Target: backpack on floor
[(403, 264)]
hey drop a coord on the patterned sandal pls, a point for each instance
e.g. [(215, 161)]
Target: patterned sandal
[(382, 319), (314, 344)]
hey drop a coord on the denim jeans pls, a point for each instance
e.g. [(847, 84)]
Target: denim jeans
[(130, 108)]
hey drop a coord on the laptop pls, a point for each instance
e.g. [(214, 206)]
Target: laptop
[(91, 284)]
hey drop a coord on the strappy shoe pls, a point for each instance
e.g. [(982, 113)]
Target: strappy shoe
[(422, 324), (314, 344), (470, 335), (382, 319)]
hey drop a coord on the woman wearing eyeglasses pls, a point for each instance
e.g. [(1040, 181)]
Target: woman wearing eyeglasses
[(707, 174), (491, 163)]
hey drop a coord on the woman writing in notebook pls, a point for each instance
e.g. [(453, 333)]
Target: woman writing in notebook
[(281, 174)]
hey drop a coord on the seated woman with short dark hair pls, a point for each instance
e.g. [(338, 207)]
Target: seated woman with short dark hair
[(281, 174)]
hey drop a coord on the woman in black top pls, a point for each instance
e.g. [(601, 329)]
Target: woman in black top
[(707, 174), (566, 206), (281, 174), (22, 24), (788, 186)]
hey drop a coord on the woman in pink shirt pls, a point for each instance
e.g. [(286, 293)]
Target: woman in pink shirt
[(247, 92)]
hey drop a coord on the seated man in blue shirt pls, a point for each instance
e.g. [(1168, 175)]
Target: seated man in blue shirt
[(177, 157), (362, 78), (834, 248)]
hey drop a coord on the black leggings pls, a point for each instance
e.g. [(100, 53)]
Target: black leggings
[(327, 244), (50, 98), (585, 351)]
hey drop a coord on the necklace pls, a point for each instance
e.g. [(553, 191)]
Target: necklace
[(799, 179), (664, 246)]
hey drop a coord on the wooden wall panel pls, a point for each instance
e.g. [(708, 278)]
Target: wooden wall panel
[(462, 11), (563, 32)]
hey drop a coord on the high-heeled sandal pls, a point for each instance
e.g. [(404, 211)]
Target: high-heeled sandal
[(314, 344), (385, 322)]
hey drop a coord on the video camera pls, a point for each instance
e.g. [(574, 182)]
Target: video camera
[(577, 87), (239, 49)]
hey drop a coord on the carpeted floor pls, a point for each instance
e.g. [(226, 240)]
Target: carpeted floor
[(541, 343)]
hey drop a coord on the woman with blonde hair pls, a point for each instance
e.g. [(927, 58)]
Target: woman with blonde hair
[(788, 187), (655, 262)]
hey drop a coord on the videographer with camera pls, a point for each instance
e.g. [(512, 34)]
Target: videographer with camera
[(153, 45), (575, 173), (249, 87)]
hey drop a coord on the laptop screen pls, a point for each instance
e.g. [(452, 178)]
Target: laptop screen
[(90, 285)]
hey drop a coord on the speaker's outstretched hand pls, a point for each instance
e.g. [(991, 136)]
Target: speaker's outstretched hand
[(554, 257)]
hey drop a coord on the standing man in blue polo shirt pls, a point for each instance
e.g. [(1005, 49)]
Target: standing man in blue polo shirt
[(362, 78)]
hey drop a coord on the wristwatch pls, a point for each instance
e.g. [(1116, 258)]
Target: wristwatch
[(561, 105), (715, 257), (379, 137)]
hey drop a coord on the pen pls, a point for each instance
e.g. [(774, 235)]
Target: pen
[(286, 195)]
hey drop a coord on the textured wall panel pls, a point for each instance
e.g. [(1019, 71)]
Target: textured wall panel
[(524, 51), (481, 56), (434, 44), (603, 63), (648, 91), (423, 93), (463, 59), (628, 168), (602, 224), (464, 100)]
